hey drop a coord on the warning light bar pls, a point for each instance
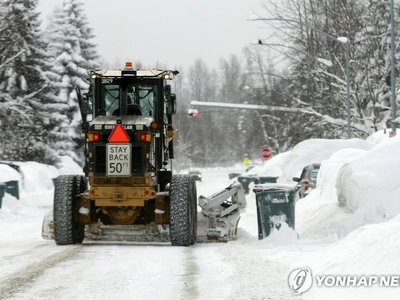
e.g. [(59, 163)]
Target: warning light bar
[(128, 71)]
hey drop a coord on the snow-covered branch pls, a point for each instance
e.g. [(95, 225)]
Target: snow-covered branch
[(10, 59)]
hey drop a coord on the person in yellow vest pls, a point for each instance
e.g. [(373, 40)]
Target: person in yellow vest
[(246, 161)]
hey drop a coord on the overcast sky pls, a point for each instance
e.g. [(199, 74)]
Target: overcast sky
[(172, 32)]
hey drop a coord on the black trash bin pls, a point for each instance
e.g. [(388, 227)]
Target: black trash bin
[(12, 188), (245, 181), (2, 192), (275, 204)]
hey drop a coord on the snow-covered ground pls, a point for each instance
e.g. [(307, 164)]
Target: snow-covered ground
[(349, 225)]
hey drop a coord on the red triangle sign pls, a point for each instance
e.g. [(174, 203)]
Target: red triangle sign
[(118, 135)]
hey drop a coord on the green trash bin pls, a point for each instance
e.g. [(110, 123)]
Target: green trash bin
[(2, 192), (12, 188), (275, 204), (233, 175), (246, 180)]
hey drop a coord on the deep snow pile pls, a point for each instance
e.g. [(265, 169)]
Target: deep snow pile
[(368, 186), (371, 183), (272, 167), (36, 186), (370, 250), (318, 215), (315, 151)]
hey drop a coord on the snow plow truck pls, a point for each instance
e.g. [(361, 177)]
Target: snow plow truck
[(128, 191)]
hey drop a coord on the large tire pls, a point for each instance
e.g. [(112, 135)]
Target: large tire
[(183, 211), (66, 231), (79, 233), (194, 211)]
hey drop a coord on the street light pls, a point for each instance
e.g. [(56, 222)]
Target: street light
[(342, 40)]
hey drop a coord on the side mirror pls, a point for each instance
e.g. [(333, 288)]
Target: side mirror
[(87, 102), (171, 105), (296, 179), (85, 126)]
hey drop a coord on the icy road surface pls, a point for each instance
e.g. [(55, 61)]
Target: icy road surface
[(33, 268)]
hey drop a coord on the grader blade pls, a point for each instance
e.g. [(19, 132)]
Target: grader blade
[(221, 214), (48, 226)]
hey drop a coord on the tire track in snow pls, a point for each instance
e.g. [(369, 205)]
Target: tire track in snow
[(26, 276), (252, 264), (192, 271), (26, 252)]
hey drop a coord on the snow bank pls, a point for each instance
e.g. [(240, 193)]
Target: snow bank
[(14, 209), (315, 151), (318, 215), (370, 183), (68, 166), (329, 169), (369, 250), (7, 173), (36, 187), (382, 136), (36, 177), (354, 188), (271, 167)]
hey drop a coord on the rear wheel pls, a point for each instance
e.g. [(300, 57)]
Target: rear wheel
[(79, 234), (66, 231), (183, 211), (194, 211)]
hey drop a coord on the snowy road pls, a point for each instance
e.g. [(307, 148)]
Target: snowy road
[(32, 268), (334, 242)]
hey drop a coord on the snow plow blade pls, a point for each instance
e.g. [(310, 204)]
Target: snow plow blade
[(220, 215), (48, 226), (217, 222), (150, 233)]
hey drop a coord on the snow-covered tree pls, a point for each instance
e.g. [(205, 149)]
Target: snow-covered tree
[(373, 68), (74, 55), (23, 83)]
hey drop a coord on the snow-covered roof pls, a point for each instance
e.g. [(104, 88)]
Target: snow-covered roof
[(139, 73)]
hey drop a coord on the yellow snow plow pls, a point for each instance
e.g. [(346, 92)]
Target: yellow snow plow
[(128, 192)]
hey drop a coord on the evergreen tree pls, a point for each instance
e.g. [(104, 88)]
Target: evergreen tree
[(23, 82), (74, 55)]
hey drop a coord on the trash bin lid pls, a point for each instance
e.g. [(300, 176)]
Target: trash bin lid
[(273, 186)]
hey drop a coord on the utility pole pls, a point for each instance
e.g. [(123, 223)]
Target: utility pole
[(393, 67)]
